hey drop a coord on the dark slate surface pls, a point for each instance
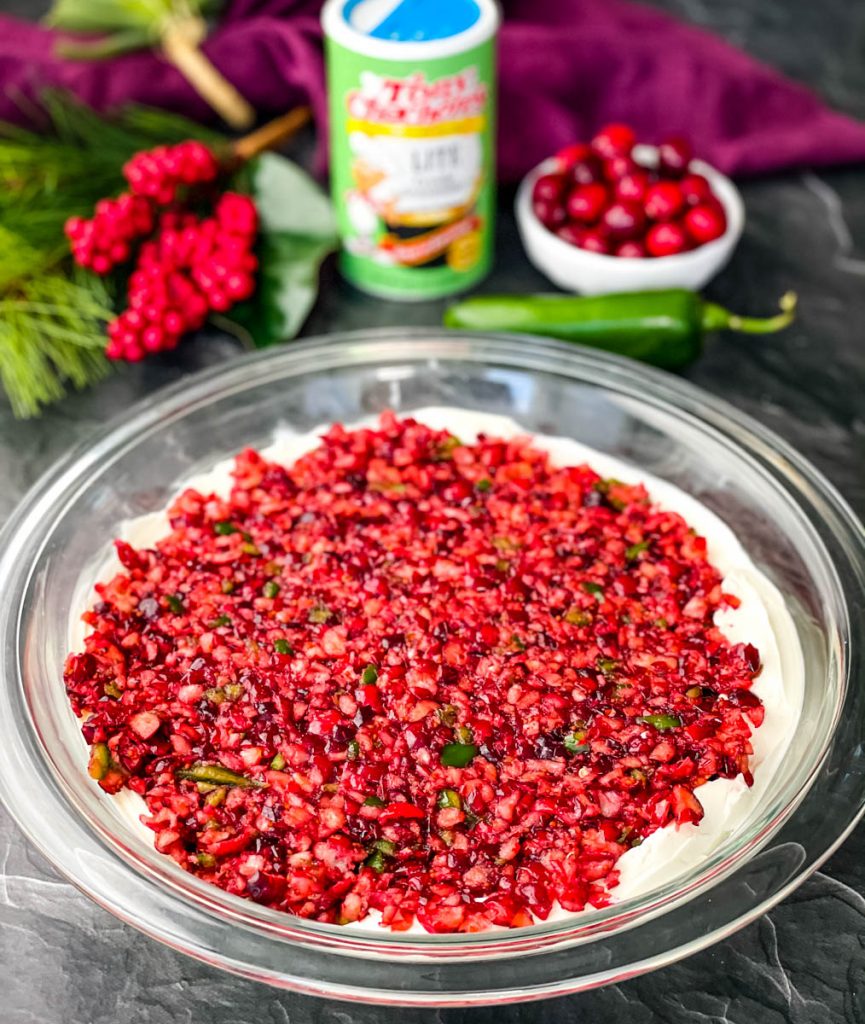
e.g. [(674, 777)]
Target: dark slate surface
[(65, 961)]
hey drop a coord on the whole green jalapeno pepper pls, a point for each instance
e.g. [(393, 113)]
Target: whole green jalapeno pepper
[(664, 328)]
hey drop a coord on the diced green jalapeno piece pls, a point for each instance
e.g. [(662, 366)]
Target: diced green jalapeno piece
[(377, 861), (270, 589), (219, 776), (661, 722), (575, 742), (373, 801), (369, 675), (458, 755), (449, 798), (278, 763), (224, 529), (175, 603), (100, 761), (463, 733), (282, 646), (635, 550)]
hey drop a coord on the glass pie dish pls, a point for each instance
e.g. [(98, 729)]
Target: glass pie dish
[(794, 525)]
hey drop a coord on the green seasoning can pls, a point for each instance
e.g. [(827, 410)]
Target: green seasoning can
[(411, 87)]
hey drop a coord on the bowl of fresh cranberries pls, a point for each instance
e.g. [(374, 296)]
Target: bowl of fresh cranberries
[(613, 215)]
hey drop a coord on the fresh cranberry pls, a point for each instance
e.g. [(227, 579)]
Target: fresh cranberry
[(571, 233), (666, 239), (632, 187), (595, 241), (695, 189), (706, 222), (570, 155), (618, 166), (586, 203), (614, 140), (674, 156), (631, 250), (587, 170), (550, 213), (549, 188), (624, 220), (664, 200)]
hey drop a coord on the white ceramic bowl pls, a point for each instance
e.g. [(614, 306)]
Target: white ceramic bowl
[(590, 273)]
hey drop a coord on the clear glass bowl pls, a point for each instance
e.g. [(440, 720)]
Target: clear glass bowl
[(795, 526)]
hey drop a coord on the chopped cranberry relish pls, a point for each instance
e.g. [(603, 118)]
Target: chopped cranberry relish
[(448, 682)]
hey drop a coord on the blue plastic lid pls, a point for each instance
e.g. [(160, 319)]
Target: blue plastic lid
[(412, 21)]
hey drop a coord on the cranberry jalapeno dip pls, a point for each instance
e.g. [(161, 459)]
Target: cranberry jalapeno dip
[(424, 678)]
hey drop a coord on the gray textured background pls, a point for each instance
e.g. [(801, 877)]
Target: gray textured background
[(65, 961)]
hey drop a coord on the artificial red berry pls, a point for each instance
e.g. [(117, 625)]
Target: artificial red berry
[(103, 242), (674, 156), (666, 239), (586, 202), (695, 189), (624, 220), (594, 241), (706, 222), (237, 214), (631, 250), (614, 140), (159, 173), (664, 200), (632, 187), (187, 269), (551, 214), (549, 187), (571, 233)]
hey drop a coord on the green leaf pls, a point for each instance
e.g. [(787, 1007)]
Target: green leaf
[(106, 46), (297, 232), (289, 200), (95, 16)]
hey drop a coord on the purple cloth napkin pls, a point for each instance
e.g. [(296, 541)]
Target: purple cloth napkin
[(566, 67)]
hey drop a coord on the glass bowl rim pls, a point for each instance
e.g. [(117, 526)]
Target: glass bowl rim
[(174, 401)]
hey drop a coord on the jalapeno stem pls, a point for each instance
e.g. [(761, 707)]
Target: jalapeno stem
[(715, 317)]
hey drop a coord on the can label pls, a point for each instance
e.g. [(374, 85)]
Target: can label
[(412, 170)]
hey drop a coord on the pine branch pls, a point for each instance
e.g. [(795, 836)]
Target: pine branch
[(52, 332), (53, 316)]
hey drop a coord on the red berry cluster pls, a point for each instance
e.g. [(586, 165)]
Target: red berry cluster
[(193, 266), (190, 266), (103, 242), (602, 200), (158, 173)]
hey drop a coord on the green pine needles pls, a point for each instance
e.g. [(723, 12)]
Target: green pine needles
[(52, 315)]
